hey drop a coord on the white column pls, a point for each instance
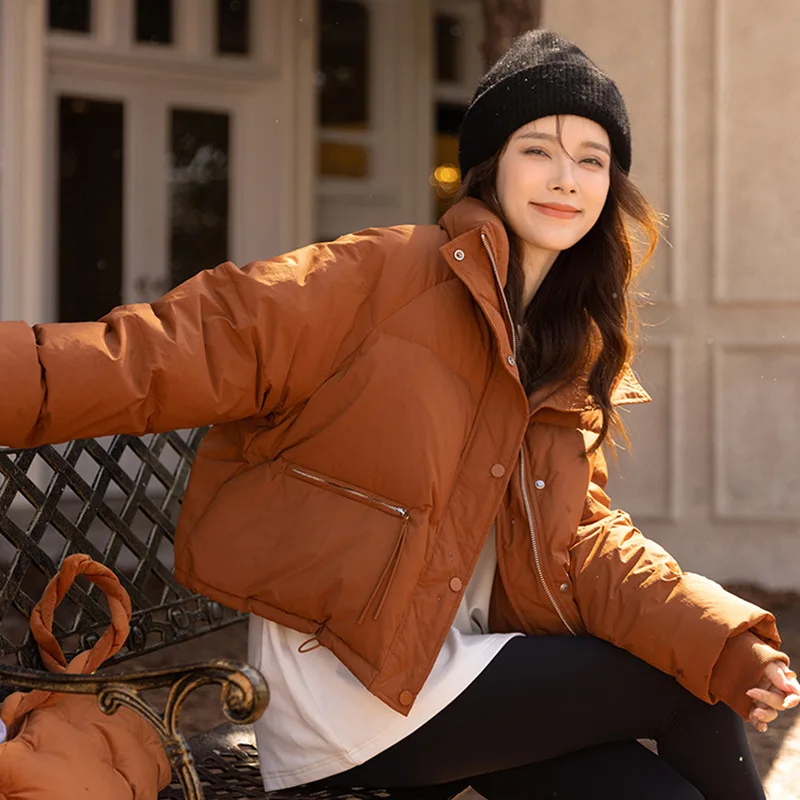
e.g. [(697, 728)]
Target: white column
[(299, 131), (23, 271), (417, 96)]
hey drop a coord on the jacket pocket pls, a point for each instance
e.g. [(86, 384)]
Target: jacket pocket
[(354, 493), (380, 592)]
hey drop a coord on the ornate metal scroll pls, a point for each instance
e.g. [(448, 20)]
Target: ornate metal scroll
[(244, 697)]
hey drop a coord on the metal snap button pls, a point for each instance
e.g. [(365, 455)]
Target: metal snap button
[(564, 587), (498, 470), (458, 255), (539, 484), (456, 584), (511, 360)]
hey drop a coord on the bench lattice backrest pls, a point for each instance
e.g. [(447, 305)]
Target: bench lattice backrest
[(116, 499)]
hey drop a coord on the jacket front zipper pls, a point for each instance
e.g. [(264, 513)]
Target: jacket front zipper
[(532, 528), (389, 571), (523, 484)]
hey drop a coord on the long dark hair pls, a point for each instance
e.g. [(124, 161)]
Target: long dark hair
[(582, 318)]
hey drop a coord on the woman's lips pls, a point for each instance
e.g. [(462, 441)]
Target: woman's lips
[(555, 211)]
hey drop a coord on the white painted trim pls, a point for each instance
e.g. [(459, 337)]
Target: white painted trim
[(22, 142), (677, 426), (720, 289), (300, 133), (420, 202), (676, 293), (112, 22), (205, 32), (112, 40), (155, 62), (188, 28), (267, 43)]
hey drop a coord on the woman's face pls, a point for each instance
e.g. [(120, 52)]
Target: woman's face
[(552, 191)]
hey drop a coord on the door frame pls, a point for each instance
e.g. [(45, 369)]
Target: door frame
[(147, 102), (278, 121)]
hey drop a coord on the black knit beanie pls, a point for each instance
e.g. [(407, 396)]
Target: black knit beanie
[(540, 75)]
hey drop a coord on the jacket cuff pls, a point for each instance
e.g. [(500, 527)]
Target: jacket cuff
[(740, 667)]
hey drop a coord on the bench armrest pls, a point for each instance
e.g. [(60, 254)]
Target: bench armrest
[(244, 696)]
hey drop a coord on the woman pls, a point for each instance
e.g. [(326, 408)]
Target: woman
[(404, 483)]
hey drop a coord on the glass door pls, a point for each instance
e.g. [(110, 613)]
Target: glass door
[(199, 190), (91, 158), (144, 190)]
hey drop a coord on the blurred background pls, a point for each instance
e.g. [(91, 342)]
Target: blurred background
[(144, 140)]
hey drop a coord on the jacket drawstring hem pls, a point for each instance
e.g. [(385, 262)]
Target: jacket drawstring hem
[(313, 641)]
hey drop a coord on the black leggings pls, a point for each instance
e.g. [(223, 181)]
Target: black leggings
[(558, 717)]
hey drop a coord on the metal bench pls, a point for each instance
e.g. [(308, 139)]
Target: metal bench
[(117, 500)]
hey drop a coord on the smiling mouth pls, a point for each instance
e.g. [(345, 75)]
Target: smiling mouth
[(556, 210)]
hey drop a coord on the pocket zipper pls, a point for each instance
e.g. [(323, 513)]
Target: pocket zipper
[(390, 570), (391, 508)]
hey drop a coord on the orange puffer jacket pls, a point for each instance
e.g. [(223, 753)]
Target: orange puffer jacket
[(369, 426)]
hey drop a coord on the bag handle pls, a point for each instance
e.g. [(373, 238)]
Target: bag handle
[(42, 616), (19, 704)]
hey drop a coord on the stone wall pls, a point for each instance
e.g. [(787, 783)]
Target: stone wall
[(713, 91)]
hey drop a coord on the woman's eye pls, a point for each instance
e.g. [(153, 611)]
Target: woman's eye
[(535, 151), (595, 162)]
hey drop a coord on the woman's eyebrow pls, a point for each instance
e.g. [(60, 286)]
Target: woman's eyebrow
[(550, 138)]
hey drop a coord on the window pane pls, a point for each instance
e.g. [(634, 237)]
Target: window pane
[(70, 15), (343, 160), (154, 21), (343, 63), (233, 26), (90, 164), (199, 191), (448, 49)]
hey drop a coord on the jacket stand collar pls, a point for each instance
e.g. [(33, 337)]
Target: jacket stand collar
[(464, 223)]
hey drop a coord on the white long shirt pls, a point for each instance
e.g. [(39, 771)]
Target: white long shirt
[(321, 720)]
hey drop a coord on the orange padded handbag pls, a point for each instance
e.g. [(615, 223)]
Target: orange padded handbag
[(63, 745)]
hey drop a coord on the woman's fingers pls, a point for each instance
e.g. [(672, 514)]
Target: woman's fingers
[(791, 701), (777, 691), (783, 678), (789, 686), (763, 714), (761, 727), (773, 699), (756, 722)]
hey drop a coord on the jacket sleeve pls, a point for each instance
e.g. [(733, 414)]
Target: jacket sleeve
[(632, 593), (227, 344)]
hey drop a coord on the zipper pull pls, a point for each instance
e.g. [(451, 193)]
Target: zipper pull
[(387, 575)]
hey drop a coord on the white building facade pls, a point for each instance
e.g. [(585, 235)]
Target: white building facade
[(142, 141)]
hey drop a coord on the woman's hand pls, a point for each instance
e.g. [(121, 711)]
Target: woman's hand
[(777, 690)]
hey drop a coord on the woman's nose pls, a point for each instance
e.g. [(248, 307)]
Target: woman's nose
[(563, 177)]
